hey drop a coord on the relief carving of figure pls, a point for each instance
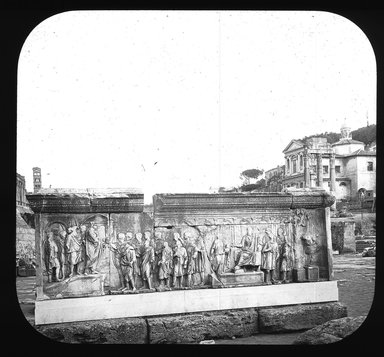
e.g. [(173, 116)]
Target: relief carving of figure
[(92, 248), (196, 263), (217, 255), (165, 265), (74, 249), (147, 263), (118, 250), (270, 253), (129, 266), (250, 254), (179, 261), (137, 244), (286, 257), (311, 247), (51, 258)]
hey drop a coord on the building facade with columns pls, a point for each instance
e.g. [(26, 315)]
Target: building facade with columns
[(343, 168)]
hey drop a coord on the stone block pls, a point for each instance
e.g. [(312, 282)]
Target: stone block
[(79, 285), (331, 331), (193, 328), (111, 331), (238, 279), (299, 275), (299, 317), (312, 273)]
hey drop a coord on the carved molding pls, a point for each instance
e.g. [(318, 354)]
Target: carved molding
[(86, 202)]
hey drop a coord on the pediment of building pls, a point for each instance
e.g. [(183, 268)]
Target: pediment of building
[(293, 145)]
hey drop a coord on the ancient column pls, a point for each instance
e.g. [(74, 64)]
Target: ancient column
[(319, 170), (307, 178), (332, 177)]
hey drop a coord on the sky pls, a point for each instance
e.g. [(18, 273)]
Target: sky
[(183, 101)]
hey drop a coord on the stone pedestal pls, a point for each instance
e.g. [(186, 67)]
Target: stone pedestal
[(299, 275), (312, 273), (182, 301), (239, 279)]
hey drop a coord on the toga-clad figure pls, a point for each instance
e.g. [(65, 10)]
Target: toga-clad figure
[(128, 266), (217, 255), (51, 260), (92, 248), (147, 262), (74, 245), (270, 253), (165, 265), (179, 261), (118, 250)]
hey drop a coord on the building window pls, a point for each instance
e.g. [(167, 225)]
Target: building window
[(337, 169), (301, 185), (325, 169), (370, 166), (301, 162), (294, 168)]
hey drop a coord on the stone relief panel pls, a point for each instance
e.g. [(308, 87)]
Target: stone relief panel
[(95, 254), (73, 251)]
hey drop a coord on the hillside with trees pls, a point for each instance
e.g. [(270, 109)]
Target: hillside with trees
[(366, 134)]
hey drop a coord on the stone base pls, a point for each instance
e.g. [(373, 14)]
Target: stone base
[(116, 331), (312, 273), (301, 317), (239, 279), (182, 301), (195, 327), (76, 286), (298, 275)]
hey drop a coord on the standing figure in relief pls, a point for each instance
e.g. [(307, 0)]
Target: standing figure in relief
[(147, 263), (81, 265), (73, 247), (92, 248), (179, 261), (217, 255), (51, 260), (128, 266), (270, 254), (118, 250), (165, 265), (60, 242), (137, 244), (285, 256)]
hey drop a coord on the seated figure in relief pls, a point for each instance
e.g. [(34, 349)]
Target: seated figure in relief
[(250, 254)]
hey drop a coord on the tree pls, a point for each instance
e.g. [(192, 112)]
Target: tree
[(252, 173)]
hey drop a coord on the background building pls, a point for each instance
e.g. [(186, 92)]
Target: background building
[(344, 167), (25, 232), (36, 179), (274, 179)]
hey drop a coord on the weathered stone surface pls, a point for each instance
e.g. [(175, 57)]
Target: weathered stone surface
[(111, 331), (76, 286), (86, 200), (299, 317), (240, 279), (203, 326), (331, 331)]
